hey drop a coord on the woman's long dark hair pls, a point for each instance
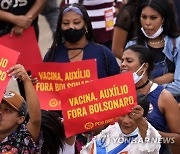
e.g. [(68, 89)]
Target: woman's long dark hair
[(53, 132), (166, 10), (58, 36)]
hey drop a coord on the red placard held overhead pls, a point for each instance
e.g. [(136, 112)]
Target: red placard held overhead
[(8, 58), (97, 103)]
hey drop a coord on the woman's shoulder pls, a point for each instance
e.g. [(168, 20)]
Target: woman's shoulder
[(165, 94), (162, 91), (166, 97), (167, 103)]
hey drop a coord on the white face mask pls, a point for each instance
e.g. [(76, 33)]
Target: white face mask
[(135, 132), (136, 77), (158, 33)]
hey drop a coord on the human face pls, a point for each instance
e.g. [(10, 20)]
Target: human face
[(151, 20), (72, 20), (9, 119), (130, 61), (127, 124)]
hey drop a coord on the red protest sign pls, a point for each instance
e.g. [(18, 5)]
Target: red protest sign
[(26, 44), (8, 58), (96, 103), (54, 77)]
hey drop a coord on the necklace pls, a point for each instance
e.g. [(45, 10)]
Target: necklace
[(154, 43), (142, 86), (76, 54)]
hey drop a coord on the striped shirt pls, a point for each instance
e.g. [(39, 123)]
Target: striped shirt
[(102, 14)]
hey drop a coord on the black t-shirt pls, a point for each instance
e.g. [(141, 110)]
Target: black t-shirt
[(126, 20), (17, 8), (159, 56)]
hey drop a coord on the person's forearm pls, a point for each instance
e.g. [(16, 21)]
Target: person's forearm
[(33, 102), (142, 126), (172, 138), (7, 17), (34, 123), (119, 41), (36, 9), (166, 78)]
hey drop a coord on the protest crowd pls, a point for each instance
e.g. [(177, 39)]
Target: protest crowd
[(108, 84)]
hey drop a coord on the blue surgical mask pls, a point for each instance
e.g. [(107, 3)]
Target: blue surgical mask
[(158, 33), (136, 77)]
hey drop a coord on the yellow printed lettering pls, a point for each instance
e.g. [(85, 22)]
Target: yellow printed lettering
[(73, 84), (89, 97), (78, 74), (3, 62), (76, 113), (59, 86), (50, 76), (111, 105), (2, 75), (114, 91), (41, 86)]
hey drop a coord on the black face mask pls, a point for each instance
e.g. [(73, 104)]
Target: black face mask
[(73, 35)]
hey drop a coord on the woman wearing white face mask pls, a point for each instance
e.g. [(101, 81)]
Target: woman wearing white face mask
[(157, 29), (136, 77), (163, 113)]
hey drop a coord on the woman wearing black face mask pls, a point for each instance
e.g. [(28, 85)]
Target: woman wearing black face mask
[(74, 41), (73, 35)]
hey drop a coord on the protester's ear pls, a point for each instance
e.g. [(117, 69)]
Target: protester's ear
[(20, 120)]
